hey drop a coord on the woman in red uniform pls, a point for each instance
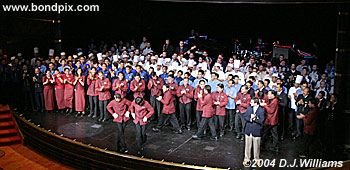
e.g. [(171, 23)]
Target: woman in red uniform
[(220, 100), (68, 90), (102, 88), (79, 93), (120, 86), (207, 103), (48, 82), (138, 86), (59, 91), (199, 109), (91, 92)]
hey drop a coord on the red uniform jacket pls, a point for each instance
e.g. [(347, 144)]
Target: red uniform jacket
[(49, 85), (58, 83), (119, 108), (173, 88), (91, 82), (141, 111), (195, 96), (103, 94), (223, 99), (245, 102), (141, 85), (168, 103), (69, 78), (264, 98), (188, 96), (155, 86), (78, 86), (207, 105), (310, 121), (272, 112), (122, 87)]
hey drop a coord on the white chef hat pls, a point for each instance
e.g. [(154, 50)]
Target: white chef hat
[(299, 79), (236, 63), (51, 52), (115, 58), (275, 75), (36, 50), (99, 56)]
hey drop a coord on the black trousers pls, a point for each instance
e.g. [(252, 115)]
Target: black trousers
[(203, 126), (120, 135), (308, 140), (230, 114), (103, 109), (171, 117), (219, 122), (28, 101), (141, 136), (282, 121), (93, 105), (239, 123), (185, 114), (156, 106), (300, 126), (274, 131), (199, 118), (39, 101), (292, 119)]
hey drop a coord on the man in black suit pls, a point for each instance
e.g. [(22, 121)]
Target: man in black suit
[(283, 102), (38, 90), (254, 117), (302, 108)]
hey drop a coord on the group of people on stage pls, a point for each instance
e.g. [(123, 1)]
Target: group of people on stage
[(252, 96)]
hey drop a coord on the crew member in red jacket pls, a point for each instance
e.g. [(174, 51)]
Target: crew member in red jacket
[(207, 103), (138, 86), (119, 109), (59, 91), (102, 88), (185, 94), (310, 124), (91, 92), (79, 83), (220, 100), (48, 82), (120, 86), (199, 109), (155, 85), (68, 79), (141, 111), (271, 119), (168, 111), (243, 102)]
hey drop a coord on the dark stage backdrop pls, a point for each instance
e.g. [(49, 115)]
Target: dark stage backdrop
[(304, 24)]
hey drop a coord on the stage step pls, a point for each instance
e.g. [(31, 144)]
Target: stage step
[(5, 117), (8, 132), (7, 125), (4, 108), (10, 140)]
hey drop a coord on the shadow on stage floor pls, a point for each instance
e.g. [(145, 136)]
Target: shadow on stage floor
[(227, 152)]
